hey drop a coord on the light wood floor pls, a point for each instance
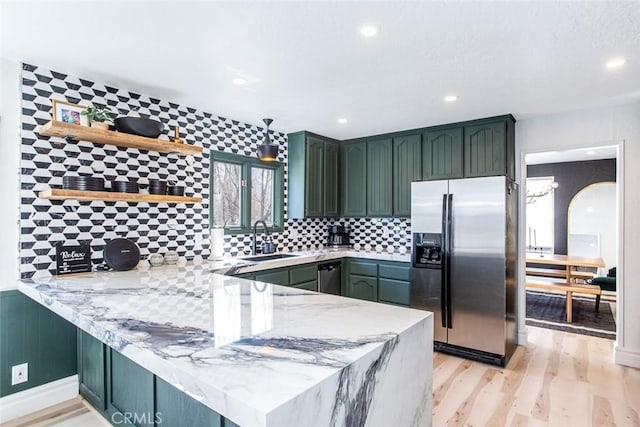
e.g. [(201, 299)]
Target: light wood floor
[(558, 379), (72, 413)]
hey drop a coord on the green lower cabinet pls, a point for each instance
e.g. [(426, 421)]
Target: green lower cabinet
[(248, 276), (363, 287), (393, 291), (129, 391), (175, 409), (309, 286), (91, 370), (277, 277), (306, 273)]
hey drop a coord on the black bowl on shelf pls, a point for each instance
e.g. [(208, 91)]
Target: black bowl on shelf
[(140, 126), (175, 190), (82, 183), (125, 186), (157, 186)]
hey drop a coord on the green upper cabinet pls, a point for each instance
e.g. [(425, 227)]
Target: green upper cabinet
[(379, 177), (331, 179), (314, 191), (407, 165), (313, 176), (489, 148), (442, 154), (354, 179)]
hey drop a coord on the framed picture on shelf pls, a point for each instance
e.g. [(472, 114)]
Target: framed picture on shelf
[(63, 111)]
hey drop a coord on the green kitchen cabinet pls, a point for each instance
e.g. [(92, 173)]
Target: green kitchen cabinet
[(129, 391), (314, 189), (91, 369), (331, 176), (489, 148), (362, 287), (311, 285), (442, 155), (313, 176), (175, 408), (393, 291), (275, 277), (354, 179), (407, 165), (380, 177), (303, 273)]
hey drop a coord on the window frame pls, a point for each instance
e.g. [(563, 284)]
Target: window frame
[(246, 164)]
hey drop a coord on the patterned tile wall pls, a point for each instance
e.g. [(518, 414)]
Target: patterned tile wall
[(154, 227)]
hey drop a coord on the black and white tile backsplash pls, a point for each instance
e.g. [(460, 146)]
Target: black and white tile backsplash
[(154, 227)]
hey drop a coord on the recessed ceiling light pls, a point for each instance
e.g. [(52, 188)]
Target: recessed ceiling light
[(451, 98), (342, 120), (239, 81), (368, 31), (615, 63), (591, 153)]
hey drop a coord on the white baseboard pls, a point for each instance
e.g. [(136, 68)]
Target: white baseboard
[(626, 357), (37, 398), (522, 337)]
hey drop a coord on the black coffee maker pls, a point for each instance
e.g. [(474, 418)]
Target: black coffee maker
[(339, 235)]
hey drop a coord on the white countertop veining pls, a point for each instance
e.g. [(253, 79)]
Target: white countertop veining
[(239, 265), (259, 354)]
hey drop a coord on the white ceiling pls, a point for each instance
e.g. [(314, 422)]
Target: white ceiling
[(577, 155), (307, 65)]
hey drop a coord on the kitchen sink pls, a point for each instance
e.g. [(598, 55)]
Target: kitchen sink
[(268, 257)]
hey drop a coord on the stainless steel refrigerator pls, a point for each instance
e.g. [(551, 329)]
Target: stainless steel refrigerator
[(464, 243)]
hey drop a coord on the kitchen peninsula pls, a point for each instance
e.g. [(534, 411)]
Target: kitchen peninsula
[(257, 354)]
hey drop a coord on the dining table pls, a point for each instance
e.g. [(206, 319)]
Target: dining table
[(569, 285), (569, 262)]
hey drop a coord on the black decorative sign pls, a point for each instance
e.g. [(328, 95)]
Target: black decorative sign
[(73, 259)]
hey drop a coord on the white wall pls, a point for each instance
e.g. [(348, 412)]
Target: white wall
[(9, 169), (595, 127)]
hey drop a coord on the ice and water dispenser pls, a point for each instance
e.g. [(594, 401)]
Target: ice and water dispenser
[(427, 250)]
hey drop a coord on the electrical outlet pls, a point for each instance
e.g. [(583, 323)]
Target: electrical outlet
[(19, 373)]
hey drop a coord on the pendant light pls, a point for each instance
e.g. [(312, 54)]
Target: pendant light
[(267, 152)]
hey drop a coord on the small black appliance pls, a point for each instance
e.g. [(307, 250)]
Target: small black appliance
[(339, 235)]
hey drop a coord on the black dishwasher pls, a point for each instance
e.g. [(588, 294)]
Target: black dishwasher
[(329, 278)]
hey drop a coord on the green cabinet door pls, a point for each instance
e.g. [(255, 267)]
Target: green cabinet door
[(275, 277), (407, 164), (442, 154), (174, 408), (362, 287), (130, 398), (393, 291), (91, 369), (379, 177), (354, 179), (331, 188), (485, 150), (314, 193)]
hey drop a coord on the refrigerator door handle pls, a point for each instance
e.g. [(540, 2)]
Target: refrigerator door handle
[(444, 300), (447, 265)]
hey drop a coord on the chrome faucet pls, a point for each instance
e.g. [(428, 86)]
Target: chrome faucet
[(267, 246)]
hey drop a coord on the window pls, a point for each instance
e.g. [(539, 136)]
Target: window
[(540, 215), (245, 190)]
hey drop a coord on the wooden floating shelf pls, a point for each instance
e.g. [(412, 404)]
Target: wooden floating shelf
[(107, 196), (119, 139)]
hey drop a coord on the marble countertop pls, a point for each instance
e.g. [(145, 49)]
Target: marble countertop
[(239, 265), (258, 354)]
